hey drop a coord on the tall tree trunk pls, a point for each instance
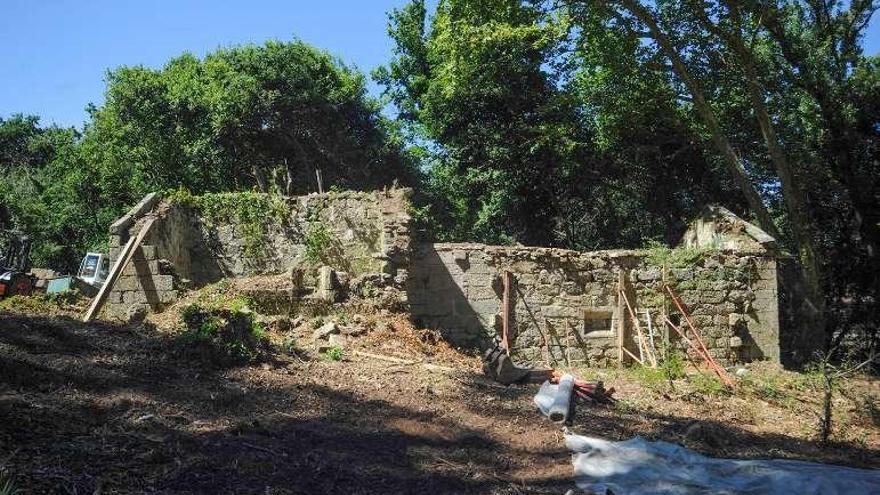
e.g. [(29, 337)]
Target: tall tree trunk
[(260, 176), (866, 204), (707, 115), (808, 283), (793, 196)]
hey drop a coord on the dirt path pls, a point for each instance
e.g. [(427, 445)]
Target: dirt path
[(92, 407)]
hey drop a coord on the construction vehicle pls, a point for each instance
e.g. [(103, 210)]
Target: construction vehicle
[(93, 271), (14, 266)]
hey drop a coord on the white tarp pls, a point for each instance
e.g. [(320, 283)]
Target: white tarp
[(637, 466)]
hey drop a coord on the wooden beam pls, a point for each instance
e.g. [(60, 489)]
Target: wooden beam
[(124, 258), (621, 320), (506, 310), (643, 343)]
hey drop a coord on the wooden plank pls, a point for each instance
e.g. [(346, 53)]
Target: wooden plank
[(621, 319), (643, 343), (714, 364), (124, 258), (506, 316)]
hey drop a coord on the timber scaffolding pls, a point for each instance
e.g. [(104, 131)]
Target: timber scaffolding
[(551, 306)]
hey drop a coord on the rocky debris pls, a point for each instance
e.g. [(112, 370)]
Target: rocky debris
[(325, 330), (277, 323), (353, 330)]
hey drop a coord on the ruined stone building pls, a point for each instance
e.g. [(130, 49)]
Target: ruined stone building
[(564, 305)]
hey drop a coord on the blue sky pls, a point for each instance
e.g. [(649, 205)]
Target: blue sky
[(56, 52)]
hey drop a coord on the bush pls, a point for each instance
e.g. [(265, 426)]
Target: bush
[(224, 336)]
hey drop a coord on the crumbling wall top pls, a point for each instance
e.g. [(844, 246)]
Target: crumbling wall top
[(719, 228)]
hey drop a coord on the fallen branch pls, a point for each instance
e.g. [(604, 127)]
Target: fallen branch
[(405, 362)]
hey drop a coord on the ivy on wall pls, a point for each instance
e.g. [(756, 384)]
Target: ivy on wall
[(252, 212)]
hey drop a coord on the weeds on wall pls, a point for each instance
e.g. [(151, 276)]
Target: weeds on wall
[(668, 258), (252, 212), (318, 241)]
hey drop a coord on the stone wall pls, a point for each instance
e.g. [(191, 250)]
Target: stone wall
[(565, 305), (367, 233)]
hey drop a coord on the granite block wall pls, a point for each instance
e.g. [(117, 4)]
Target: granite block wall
[(368, 232), (566, 308)]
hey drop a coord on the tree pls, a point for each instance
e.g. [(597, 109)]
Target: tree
[(45, 191), (528, 136), (713, 47), (264, 116)]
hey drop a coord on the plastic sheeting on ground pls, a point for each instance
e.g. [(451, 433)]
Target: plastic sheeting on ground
[(637, 466)]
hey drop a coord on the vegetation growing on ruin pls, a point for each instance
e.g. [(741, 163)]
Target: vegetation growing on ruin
[(253, 213), (563, 124), (659, 254), (318, 240), (223, 333)]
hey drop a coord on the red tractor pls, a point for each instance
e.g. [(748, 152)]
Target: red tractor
[(14, 267)]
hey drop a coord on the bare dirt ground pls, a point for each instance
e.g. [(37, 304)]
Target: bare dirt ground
[(114, 409)]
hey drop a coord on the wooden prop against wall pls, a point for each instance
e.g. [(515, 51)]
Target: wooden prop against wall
[(621, 320), (124, 257), (506, 310)]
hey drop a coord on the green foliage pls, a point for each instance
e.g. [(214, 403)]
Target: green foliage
[(253, 115), (681, 257), (43, 303), (334, 353), (240, 118), (650, 378), (252, 212), (318, 240), (672, 365), (708, 384), (223, 331)]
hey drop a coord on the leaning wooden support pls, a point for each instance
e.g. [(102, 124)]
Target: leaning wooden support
[(708, 356), (124, 258), (643, 343), (689, 343), (506, 313), (621, 320)]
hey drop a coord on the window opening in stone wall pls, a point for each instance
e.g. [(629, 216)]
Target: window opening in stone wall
[(597, 323)]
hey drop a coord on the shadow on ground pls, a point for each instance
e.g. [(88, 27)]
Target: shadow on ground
[(707, 436), (89, 407)]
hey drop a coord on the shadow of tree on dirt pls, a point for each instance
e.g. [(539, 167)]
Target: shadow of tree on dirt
[(88, 407), (707, 436)]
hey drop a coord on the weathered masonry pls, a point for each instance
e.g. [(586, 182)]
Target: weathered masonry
[(564, 305), (565, 308), (192, 244)]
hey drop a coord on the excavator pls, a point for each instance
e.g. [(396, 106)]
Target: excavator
[(14, 266)]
